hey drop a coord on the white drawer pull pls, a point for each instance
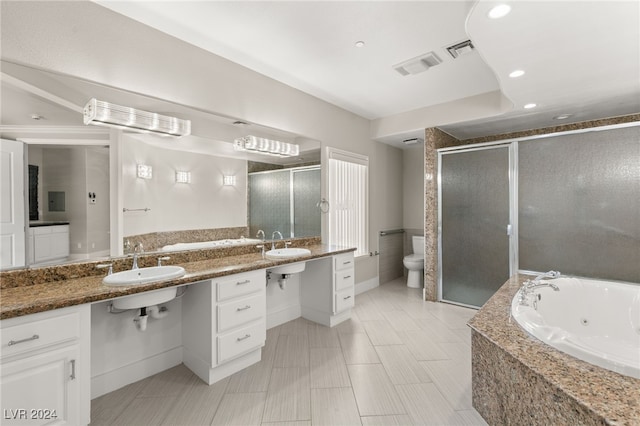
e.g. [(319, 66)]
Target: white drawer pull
[(246, 336), (243, 282), (244, 308), (347, 276), (345, 298), (28, 339), (346, 263)]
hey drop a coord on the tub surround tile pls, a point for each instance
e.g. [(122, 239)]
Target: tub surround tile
[(43, 289), (518, 379), (157, 240)]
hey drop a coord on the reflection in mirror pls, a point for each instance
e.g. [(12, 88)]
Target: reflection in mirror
[(161, 211)]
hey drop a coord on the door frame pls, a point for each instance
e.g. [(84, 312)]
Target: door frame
[(512, 227)]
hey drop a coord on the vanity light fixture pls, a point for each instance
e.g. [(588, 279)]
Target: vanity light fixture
[(183, 177), (104, 113), (229, 180), (266, 146), (499, 11), (144, 171)]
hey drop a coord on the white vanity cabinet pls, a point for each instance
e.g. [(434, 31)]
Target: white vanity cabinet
[(224, 324), (48, 243), (328, 289), (45, 368)]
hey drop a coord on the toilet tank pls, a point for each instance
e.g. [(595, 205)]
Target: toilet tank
[(418, 244)]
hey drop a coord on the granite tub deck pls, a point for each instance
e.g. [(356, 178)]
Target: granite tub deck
[(37, 290), (519, 380)]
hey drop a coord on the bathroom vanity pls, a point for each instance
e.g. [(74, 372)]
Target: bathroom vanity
[(48, 241), (46, 328)]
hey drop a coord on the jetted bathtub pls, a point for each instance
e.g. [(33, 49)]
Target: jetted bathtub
[(595, 321), (210, 244)]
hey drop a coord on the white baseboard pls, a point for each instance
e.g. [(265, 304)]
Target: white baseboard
[(367, 285), (115, 379), (283, 315)]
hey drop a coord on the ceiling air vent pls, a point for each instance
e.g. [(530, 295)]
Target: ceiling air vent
[(412, 141), (460, 49), (418, 64)]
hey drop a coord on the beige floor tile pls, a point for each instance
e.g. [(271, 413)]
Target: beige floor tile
[(400, 420), (471, 418), (332, 407), (241, 409), (374, 392), (453, 379), (457, 351), (368, 311), (438, 332), (421, 346), (328, 368), (289, 395), (106, 408), (198, 405), (381, 333), (357, 349), (418, 310), (296, 326), (350, 326), (401, 321), (426, 406), (172, 382), (255, 378), (464, 334), (323, 337), (146, 411), (292, 351), (401, 366), (297, 423)]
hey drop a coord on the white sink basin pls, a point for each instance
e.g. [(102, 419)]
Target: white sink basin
[(287, 253), (291, 268), (144, 275), (143, 300)]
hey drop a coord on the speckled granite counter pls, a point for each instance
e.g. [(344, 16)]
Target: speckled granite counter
[(42, 289), (519, 380)]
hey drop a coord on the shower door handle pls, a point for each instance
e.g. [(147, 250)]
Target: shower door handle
[(509, 229)]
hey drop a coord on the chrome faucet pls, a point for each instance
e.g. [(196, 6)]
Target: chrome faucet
[(138, 248), (273, 236), (260, 232), (529, 285)]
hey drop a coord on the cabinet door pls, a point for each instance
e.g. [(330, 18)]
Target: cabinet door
[(42, 247), (41, 389), (60, 244)]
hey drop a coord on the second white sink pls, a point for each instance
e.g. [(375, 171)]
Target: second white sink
[(287, 253), (144, 275)]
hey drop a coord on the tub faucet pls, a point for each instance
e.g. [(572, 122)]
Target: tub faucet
[(529, 285), (138, 248), (273, 236), (550, 274)]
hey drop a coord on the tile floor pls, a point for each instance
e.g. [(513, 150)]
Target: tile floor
[(398, 361)]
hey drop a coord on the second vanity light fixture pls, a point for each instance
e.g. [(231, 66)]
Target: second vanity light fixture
[(183, 177), (104, 113), (266, 146)]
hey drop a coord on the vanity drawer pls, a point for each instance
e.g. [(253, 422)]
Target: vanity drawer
[(40, 331), (238, 342), (344, 279), (240, 284), (345, 299), (343, 261), (241, 311)]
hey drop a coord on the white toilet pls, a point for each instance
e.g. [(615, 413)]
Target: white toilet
[(415, 263)]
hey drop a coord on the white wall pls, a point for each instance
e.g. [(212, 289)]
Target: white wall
[(204, 203), (97, 178)]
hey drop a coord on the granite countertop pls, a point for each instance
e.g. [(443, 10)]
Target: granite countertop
[(17, 299), (38, 223), (612, 396)]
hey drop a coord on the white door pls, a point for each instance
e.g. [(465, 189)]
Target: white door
[(12, 217)]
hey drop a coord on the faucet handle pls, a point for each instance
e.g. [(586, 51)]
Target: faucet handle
[(106, 265), (287, 244), (161, 258), (261, 248)]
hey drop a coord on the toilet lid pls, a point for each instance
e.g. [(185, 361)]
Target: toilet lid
[(414, 257)]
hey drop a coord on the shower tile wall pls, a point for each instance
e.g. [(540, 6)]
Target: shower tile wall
[(270, 203)]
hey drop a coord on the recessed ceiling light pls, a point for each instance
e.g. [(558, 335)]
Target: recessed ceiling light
[(360, 43), (562, 117), (529, 106), (516, 74), (499, 11)]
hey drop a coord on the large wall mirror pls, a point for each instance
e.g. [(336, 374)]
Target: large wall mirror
[(87, 177)]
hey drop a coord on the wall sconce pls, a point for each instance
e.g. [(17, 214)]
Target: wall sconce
[(183, 177), (229, 180), (144, 171), (266, 146)]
